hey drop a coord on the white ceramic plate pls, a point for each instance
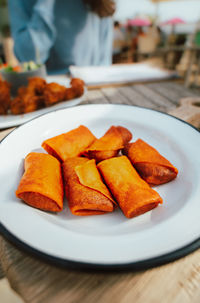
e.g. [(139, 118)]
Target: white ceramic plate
[(108, 241), (14, 120)]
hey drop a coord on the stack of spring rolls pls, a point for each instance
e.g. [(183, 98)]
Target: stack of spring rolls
[(97, 175)]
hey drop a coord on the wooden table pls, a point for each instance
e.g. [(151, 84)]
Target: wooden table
[(178, 281)]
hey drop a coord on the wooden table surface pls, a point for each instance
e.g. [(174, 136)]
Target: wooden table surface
[(178, 281)]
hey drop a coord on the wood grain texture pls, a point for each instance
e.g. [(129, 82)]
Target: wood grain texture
[(177, 282), (164, 91), (189, 110), (136, 98), (38, 282), (95, 97), (113, 95), (161, 102), (178, 88)]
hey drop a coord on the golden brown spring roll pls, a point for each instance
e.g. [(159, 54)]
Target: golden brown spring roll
[(109, 145), (84, 188), (133, 194), (41, 185), (70, 144), (150, 164)]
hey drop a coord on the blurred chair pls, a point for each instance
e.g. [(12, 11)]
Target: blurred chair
[(192, 74), (148, 42), (189, 65)]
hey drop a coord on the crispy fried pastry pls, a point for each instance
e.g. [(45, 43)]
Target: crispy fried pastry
[(70, 144), (133, 194), (41, 185), (109, 145), (84, 188), (150, 164)]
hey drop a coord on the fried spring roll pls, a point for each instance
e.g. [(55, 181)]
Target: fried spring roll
[(109, 145), (84, 188), (133, 194), (150, 164), (41, 185), (70, 144)]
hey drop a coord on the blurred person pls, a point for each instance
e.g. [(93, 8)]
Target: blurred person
[(129, 36), (118, 42), (130, 42), (62, 33), (140, 33)]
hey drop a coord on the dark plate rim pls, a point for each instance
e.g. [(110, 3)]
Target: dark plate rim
[(76, 265)]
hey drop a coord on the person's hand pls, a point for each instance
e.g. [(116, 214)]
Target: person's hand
[(103, 8)]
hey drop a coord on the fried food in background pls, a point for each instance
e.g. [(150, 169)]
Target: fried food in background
[(4, 97), (109, 145), (17, 106), (77, 82), (36, 85), (29, 98), (26, 103), (38, 94), (54, 93), (77, 86), (84, 188), (21, 91), (32, 103), (70, 93), (76, 90)]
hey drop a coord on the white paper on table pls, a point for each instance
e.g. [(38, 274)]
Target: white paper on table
[(120, 73)]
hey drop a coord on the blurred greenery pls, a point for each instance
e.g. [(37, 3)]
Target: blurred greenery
[(3, 3), (4, 19), (197, 38)]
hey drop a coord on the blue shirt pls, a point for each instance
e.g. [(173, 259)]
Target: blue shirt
[(60, 33)]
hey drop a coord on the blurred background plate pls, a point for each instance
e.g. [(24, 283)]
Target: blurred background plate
[(14, 120)]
